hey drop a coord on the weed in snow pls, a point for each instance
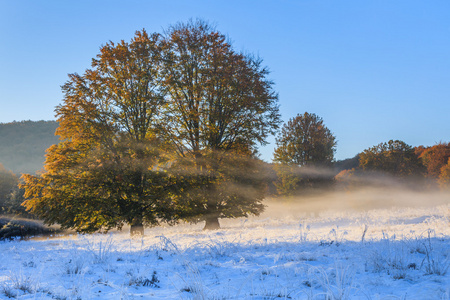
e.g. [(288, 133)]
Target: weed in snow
[(435, 262), (101, 251), (304, 231), (8, 291), (337, 284), (22, 282)]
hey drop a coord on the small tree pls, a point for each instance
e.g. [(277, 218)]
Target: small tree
[(394, 157), (305, 140), (304, 144)]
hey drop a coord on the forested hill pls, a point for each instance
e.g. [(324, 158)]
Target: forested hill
[(23, 144)]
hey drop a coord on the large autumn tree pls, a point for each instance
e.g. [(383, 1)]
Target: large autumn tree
[(102, 173), (220, 107), (303, 145), (161, 128)]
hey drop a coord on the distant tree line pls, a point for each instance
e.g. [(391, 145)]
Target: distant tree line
[(304, 162), (427, 167)]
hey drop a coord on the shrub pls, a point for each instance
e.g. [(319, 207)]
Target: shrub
[(12, 228)]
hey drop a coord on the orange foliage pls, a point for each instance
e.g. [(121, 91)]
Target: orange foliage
[(434, 158), (444, 177)]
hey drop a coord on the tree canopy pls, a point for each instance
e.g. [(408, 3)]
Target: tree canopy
[(444, 176), (303, 145), (305, 140), (435, 158), (394, 157)]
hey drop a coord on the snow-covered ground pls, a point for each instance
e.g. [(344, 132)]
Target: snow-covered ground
[(287, 253)]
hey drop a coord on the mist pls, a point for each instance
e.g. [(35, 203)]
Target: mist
[(359, 192), (363, 199)]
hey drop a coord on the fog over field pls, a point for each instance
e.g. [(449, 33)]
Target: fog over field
[(356, 201)]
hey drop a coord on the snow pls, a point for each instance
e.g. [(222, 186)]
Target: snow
[(383, 253)]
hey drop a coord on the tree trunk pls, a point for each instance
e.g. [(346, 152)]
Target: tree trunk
[(137, 229), (212, 223)]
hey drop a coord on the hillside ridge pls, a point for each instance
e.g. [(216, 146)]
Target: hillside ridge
[(23, 144)]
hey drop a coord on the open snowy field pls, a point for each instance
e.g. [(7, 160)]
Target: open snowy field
[(330, 250)]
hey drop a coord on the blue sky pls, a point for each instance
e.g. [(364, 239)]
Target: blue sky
[(373, 70)]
